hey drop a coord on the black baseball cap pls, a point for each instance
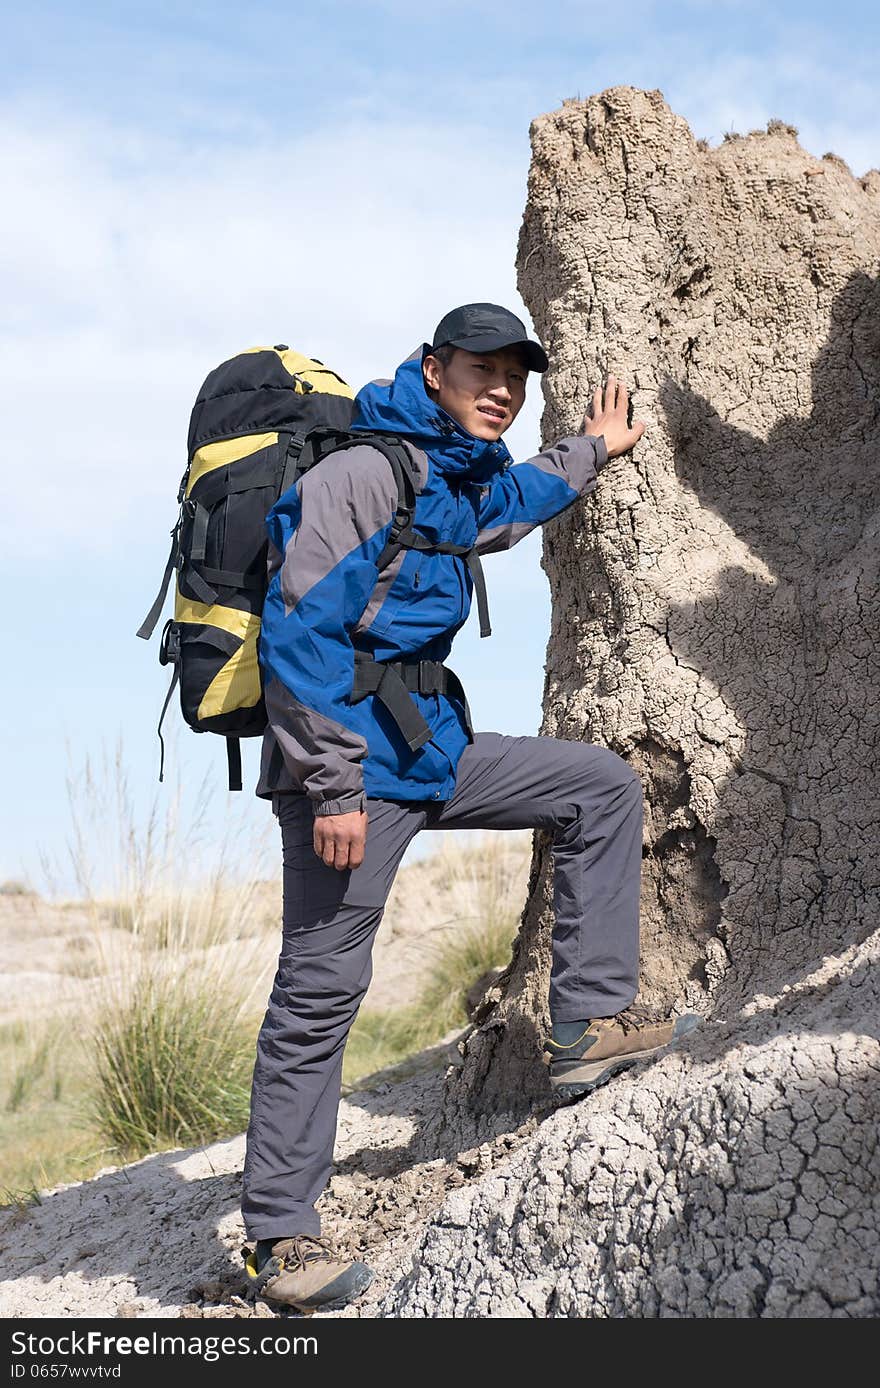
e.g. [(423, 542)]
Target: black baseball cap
[(488, 328)]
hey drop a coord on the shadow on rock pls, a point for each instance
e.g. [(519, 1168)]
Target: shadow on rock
[(793, 651)]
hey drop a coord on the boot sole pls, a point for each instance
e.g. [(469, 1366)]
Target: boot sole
[(582, 1078), (586, 1076), (359, 1281), (359, 1284)]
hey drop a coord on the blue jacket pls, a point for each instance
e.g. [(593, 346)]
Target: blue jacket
[(327, 599)]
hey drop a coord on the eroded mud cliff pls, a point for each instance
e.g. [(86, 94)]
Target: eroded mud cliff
[(716, 612)]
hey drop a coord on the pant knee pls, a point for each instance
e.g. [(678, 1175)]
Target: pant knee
[(618, 783), (632, 785), (324, 990)]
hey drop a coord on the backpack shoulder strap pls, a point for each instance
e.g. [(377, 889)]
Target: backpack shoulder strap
[(408, 486), (320, 443)]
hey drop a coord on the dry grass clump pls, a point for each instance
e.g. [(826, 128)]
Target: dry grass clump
[(172, 945), (174, 948), (14, 887), (174, 1061), (173, 1044), (173, 1041)]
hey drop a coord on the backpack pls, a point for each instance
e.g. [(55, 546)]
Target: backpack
[(260, 421)]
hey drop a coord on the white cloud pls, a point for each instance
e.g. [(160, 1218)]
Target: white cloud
[(136, 261), (724, 91), (128, 286)]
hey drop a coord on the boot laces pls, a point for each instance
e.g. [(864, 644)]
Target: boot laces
[(307, 1248), (636, 1016)]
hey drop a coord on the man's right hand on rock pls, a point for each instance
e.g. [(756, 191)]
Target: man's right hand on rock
[(607, 416)]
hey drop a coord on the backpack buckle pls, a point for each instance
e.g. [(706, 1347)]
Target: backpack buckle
[(399, 524), (169, 645), (430, 678)]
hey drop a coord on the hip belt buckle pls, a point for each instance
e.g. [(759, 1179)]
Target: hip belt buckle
[(430, 677)]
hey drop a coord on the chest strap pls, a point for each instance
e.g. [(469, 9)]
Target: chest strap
[(393, 681), (413, 539)]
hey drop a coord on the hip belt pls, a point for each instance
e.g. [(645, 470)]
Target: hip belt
[(393, 681)]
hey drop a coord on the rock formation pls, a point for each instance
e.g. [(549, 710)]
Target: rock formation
[(716, 621)]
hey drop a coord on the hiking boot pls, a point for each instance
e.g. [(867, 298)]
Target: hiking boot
[(302, 1272), (586, 1054)]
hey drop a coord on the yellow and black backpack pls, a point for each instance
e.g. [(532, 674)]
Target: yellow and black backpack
[(261, 419)]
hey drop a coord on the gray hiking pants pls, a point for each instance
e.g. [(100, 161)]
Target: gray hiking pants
[(591, 801)]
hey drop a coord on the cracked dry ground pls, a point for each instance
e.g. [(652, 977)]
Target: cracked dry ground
[(736, 1176), (162, 1237)]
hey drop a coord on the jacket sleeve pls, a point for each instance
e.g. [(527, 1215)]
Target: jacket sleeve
[(530, 493), (326, 534)]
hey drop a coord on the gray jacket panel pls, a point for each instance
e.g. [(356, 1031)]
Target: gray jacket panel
[(319, 755), (346, 500)]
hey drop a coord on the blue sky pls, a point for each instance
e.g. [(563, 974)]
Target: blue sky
[(186, 180)]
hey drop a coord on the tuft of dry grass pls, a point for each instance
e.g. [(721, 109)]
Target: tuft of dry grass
[(13, 887), (173, 1044), (174, 1060), (178, 963), (159, 1048)]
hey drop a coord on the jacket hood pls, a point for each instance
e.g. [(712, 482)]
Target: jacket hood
[(403, 407)]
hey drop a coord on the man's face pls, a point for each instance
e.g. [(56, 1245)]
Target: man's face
[(484, 391)]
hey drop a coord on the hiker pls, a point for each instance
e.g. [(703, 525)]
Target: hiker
[(370, 740)]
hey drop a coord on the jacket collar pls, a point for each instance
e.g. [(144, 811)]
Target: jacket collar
[(402, 406)]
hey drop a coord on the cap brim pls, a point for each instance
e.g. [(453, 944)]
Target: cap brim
[(536, 357)]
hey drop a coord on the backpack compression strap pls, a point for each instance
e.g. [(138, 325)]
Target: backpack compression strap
[(322, 442), (411, 539), (402, 532), (233, 762), (148, 625), (191, 567)]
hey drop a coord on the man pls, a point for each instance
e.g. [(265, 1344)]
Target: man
[(370, 740)]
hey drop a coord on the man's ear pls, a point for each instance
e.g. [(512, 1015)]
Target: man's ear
[(431, 372)]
